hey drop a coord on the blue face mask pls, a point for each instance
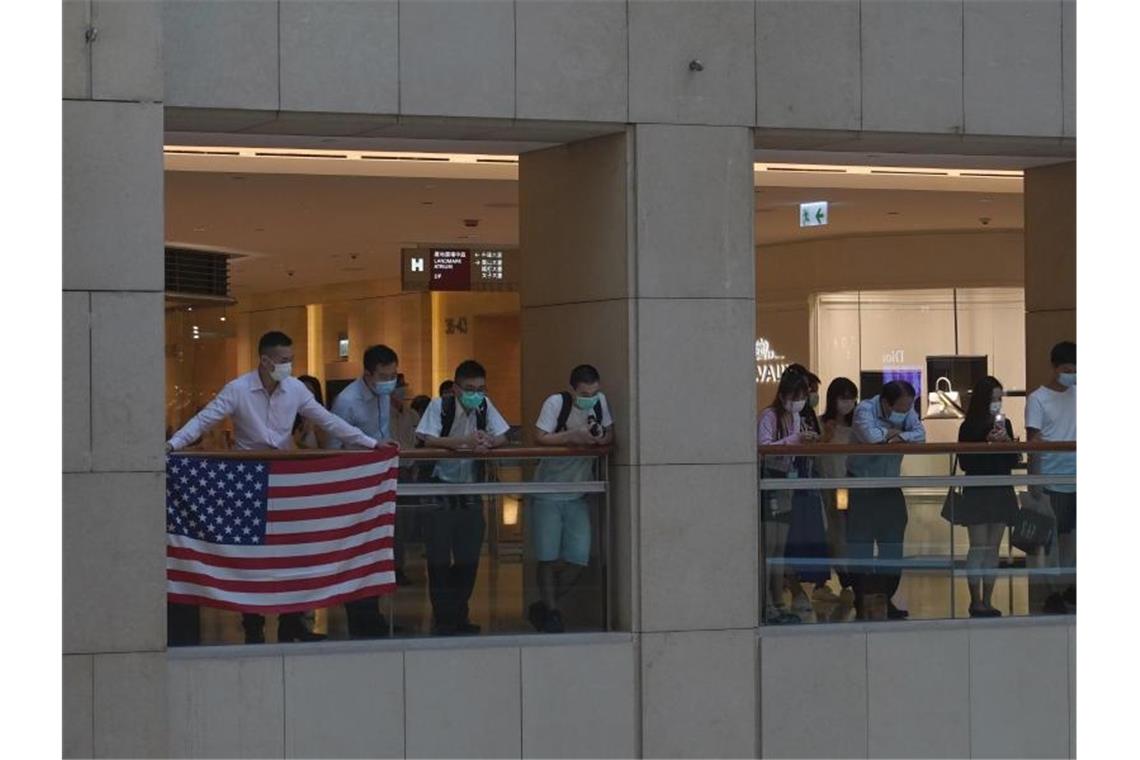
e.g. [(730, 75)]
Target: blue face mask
[(897, 418), (384, 387), (1067, 379), (471, 399)]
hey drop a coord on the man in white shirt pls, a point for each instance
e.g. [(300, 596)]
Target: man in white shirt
[(561, 522), (465, 420), (1051, 415), (264, 405), (367, 403)]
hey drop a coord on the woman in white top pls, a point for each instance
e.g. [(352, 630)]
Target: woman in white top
[(842, 397)]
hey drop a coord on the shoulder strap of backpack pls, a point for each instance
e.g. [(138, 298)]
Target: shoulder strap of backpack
[(481, 416), (598, 412), (564, 412), (447, 415)]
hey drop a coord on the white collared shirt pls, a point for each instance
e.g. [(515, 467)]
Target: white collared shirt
[(464, 424), (264, 421)]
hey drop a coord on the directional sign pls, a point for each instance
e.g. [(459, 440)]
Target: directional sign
[(813, 214)]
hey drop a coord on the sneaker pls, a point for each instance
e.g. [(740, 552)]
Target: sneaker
[(894, 613), (824, 594), (467, 628), (554, 622), (536, 614)]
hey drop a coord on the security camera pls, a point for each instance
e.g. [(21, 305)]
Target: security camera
[(985, 220)]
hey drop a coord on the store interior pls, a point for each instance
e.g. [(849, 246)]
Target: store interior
[(915, 261)]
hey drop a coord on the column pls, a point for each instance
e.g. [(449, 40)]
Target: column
[(1050, 265), (638, 253), (114, 619)]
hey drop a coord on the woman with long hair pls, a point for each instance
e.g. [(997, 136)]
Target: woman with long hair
[(836, 423), (780, 423), (985, 510)]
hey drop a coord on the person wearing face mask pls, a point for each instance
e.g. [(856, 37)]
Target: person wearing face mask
[(1051, 415), (560, 523), (781, 423), (464, 420), (878, 516), (264, 405), (368, 403), (985, 510), (837, 419), (810, 411)]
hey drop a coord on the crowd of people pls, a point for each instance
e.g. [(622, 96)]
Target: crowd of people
[(270, 409), (809, 538)]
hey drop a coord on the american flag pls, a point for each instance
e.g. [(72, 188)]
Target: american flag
[(280, 535)]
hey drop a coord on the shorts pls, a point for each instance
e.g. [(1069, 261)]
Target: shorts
[(1064, 509), (561, 530)]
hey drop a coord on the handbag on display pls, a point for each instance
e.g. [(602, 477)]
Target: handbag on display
[(944, 403), (953, 495), (1034, 526)]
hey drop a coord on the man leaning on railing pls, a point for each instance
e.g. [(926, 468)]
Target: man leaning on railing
[(879, 515)]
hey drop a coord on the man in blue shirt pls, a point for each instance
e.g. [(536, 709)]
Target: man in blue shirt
[(878, 515)]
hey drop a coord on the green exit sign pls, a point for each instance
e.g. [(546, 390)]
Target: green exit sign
[(813, 214)]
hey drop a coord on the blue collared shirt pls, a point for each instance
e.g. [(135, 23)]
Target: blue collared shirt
[(358, 405), (872, 426)]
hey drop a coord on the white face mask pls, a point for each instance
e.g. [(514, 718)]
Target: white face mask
[(281, 371), (995, 408), (795, 407), (845, 406)]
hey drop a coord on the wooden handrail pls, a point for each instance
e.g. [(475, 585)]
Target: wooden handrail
[(823, 449), (503, 452)]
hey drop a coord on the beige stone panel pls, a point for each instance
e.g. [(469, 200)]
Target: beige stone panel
[(1013, 68), (1072, 629), (624, 580), (127, 381), (807, 64), (114, 560), (688, 350), (457, 58), (579, 701), (912, 65), (221, 54), (463, 703), (699, 694), (665, 37), (694, 191), (555, 339), (227, 707), (698, 546), (572, 60), (340, 56), (126, 57), (1043, 330), (574, 222), (805, 676), (130, 705), (112, 196), (1069, 66), (1019, 695), (78, 706), (76, 53), (344, 705), (1051, 237), (918, 691), (77, 374)]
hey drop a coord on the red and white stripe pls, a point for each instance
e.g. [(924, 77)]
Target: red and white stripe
[(329, 533)]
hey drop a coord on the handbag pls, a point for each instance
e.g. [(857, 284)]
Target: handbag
[(953, 495), (944, 403), (1034, 526)]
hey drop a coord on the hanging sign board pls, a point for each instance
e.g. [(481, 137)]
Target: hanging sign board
[(457, 269)]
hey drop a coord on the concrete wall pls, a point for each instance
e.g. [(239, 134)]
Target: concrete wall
[(941, 67), (114, 626), (991, 689)]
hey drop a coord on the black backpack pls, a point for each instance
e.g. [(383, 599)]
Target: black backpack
[(568, 406)]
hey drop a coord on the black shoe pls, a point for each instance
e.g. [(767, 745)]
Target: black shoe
[(894, 613), (254, 635), (374, 629), (467, 628), (443, 629), (554, 622), (536, 614), (1055, 605), (296, 631)]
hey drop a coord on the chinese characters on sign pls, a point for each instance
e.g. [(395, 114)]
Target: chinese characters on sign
[(457, 269), (489, 265), (451, 270), (769, 364)]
